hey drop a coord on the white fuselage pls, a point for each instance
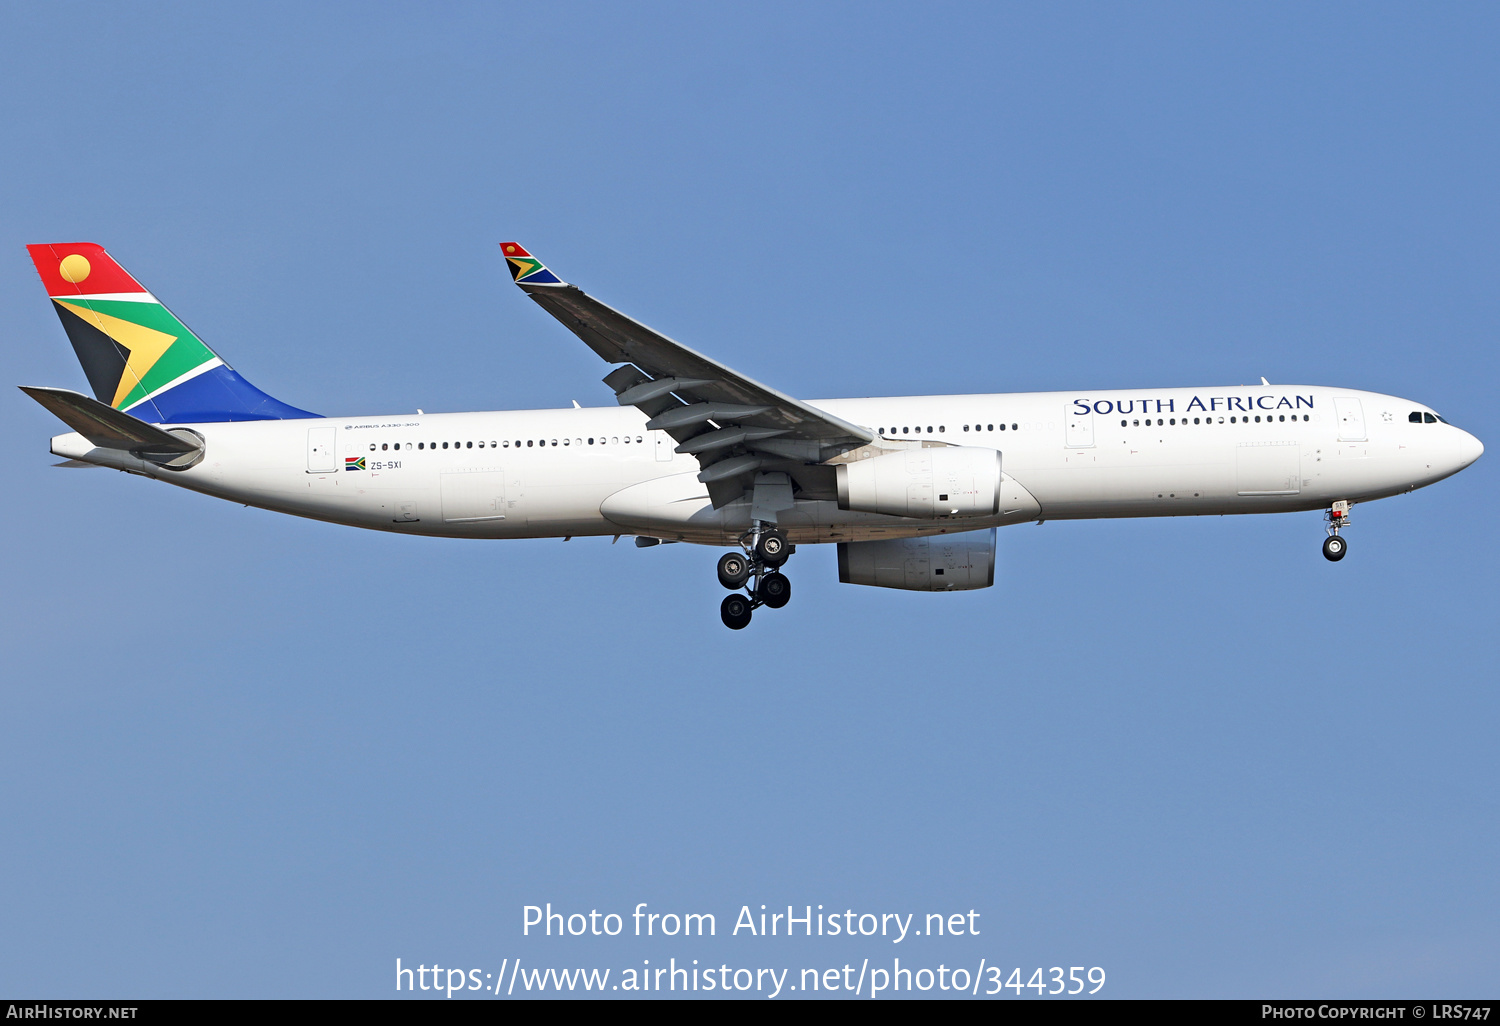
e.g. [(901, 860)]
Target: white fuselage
[(599, 471)]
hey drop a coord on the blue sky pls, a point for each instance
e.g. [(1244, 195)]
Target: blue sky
[(250, 755)]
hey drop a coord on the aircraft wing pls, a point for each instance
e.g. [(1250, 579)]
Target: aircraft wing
[(734, 425)]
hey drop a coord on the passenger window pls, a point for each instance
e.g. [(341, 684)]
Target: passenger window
[(372, 446), (929, 429), (942, 429), (529, 443), (1013, 427), (638, 438)]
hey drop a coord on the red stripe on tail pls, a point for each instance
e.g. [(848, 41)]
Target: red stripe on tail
[(80, 269)]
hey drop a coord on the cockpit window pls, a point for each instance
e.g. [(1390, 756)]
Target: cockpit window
[(1429, 418), (1443, 420), (1415, 417)]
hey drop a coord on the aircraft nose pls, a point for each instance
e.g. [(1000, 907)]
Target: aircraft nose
[(1469, 449)]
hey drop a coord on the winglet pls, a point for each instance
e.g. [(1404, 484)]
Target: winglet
[(525, 268)]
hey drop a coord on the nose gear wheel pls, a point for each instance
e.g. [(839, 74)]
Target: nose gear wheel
[(1337, 517)]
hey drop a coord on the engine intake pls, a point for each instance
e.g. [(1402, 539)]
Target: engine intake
[(949, 562), (947, 481)]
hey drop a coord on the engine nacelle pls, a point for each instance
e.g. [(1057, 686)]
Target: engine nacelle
[(947, 562), (946, 481)]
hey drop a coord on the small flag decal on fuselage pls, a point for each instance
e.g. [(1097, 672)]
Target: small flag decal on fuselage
[(354, 463)]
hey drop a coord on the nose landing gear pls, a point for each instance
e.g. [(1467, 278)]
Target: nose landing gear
[(758, 572), (1334, 547)]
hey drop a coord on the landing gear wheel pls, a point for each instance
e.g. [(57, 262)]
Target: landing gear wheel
[(1334, 548), (775, 590), (772, 548), (735, 612), (734, 570)]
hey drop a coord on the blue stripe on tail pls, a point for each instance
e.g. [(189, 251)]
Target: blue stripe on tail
[(214, 396)]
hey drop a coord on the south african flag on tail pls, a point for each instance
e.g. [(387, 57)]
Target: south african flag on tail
[(139, 358)]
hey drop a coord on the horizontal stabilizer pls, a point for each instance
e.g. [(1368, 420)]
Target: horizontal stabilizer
[(107, 427)]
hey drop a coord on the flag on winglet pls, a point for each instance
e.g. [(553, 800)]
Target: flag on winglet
[(525, 268)]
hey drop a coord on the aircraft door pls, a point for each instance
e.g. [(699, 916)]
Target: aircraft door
[(1351, 418), (665, 443), (1080, 427), (321, 458)]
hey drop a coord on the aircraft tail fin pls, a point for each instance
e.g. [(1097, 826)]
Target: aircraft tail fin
[(137, 355)]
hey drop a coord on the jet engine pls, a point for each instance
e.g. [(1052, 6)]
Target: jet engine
[(946, 562), (945, 481)]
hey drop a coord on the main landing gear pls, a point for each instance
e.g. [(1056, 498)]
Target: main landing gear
[(1334, 547), (758, 572)]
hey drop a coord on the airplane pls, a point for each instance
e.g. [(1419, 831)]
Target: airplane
[(910, 489)]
